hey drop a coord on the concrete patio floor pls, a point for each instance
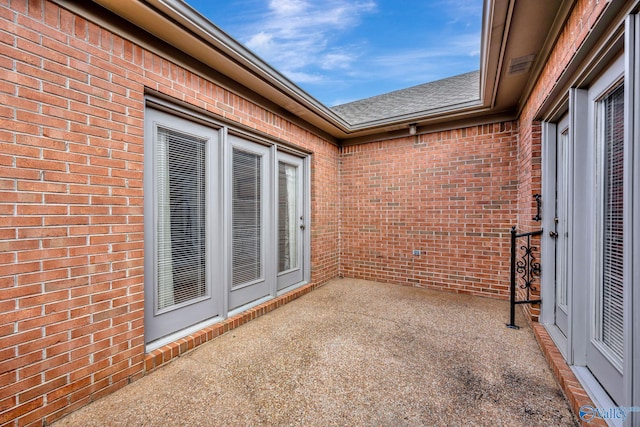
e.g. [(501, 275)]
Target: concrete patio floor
[(352, 353)]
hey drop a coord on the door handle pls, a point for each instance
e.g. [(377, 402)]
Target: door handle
[(553, 234), (302, 227)]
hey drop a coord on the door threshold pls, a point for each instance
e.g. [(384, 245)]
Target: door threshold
[(292, 287), (160, 342), (603, 403), (250, 305)]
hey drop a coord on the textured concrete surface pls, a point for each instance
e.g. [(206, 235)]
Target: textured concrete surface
[(352, 353)]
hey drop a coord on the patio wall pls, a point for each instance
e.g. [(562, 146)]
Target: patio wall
[(71, 202), (452, 195)]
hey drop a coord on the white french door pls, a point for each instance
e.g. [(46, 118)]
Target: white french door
[(605, 348), (180, 232), (561, 221), (248, 204), (291, 221), (225, 223)]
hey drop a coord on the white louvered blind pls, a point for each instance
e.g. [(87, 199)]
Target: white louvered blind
[(246, 217), (181, 176), (287, 224), (562, 173), (612, 254)]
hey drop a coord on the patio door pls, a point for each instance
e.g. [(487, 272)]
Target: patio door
[(291, 220), (248, 209), (181, 172), (561, 220), (605, 348), (225, 222)]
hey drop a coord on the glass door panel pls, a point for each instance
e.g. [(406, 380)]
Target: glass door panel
[(249, 218), (561, 218), (605, 348), (291, 221), (178, 232), (246, 218)]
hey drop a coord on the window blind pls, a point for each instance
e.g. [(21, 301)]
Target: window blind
[(562, 210), (181, 176), (612, 254), (287, 231), (246, 217)]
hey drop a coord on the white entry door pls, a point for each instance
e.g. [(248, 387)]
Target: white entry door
[(291, 220)]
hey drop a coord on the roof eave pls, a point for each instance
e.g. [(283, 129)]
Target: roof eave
[(200, 25), (178, 24)]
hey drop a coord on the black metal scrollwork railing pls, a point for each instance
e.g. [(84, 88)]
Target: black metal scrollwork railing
[(527, 267)]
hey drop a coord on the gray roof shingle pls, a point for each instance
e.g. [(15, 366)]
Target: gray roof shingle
[(445, 93)]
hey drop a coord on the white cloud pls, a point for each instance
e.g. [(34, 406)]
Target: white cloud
[(460, 10), (287, 7), (466, 44), (337, 60), (296, 35), (306, 78), (417, 65), (329, 48), (260, 42)]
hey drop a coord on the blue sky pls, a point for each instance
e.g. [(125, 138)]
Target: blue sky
[(344, 50)]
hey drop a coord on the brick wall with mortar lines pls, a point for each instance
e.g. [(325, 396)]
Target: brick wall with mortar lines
[(581, 20), (451, 195), (71, 203)]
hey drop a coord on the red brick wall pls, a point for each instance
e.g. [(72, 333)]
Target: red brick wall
[(452, 195), (325, 211), (582, 19), (71, 203)]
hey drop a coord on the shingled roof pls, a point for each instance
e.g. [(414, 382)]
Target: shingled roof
[(441, 94)]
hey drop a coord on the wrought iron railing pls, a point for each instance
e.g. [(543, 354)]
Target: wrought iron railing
[(527, 267)]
